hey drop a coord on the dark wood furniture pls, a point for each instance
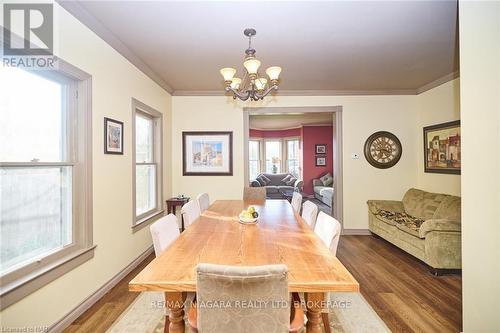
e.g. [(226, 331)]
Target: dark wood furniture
[(172, 205)]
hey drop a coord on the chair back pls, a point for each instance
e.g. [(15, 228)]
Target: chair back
[(296, 201), (309, 213), (254, 194), (203, 201), (328, 229), (164, 232), (265, 286), (190, 211)]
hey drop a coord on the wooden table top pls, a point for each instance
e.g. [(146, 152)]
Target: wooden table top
[(280, 237)]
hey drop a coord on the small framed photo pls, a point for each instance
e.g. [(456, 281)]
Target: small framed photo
[(207, 153), (320, 161), (113, 136), (321, 149)]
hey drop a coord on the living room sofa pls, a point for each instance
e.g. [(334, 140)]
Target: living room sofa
[(323, 189), (276, 186), (424, 224)]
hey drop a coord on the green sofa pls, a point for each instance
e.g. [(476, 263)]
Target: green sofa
[(424, 224)]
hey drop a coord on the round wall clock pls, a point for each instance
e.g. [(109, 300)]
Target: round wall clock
[(383, 150)]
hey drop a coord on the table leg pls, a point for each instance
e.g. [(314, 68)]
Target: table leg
[(175, 302), (314, 305)]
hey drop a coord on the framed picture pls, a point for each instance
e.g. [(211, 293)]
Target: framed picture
[(442, 145), (321, 149), (113, 136), (207, 153), (320, 161)]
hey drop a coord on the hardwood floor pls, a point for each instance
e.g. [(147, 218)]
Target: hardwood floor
[(102, 314), (398, 287)]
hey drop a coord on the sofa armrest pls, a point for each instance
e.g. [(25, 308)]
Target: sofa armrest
[(439, 225), (299, 184), (317, 182), (390, 205), (254, 183)]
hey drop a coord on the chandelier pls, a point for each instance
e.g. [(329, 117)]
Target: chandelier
[(252, 85)]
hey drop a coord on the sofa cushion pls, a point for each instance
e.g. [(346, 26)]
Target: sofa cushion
[(318, 189), (327, 179), (261, 180), (272, 189), (291, 181), (403, 221), (266, 179), (449, 209), (326, 192), (286, 179), (422, 204)]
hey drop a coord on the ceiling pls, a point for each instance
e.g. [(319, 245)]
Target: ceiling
[(345, 46), (285, 121)]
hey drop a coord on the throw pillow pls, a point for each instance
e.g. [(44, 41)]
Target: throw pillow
[(261, 180), (266, 179), (286, 179), (291, 181), (327, 179)]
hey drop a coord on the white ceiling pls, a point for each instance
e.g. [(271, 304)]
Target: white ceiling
[(285, 121), (365, 46)]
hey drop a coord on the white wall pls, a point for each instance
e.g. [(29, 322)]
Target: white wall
[(362, 115), (438, 105), (480, 111), (114, 82)]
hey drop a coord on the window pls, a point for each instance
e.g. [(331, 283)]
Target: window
[(254, 158), (45, 183), (147, 162), (273, 156), (292, 157)]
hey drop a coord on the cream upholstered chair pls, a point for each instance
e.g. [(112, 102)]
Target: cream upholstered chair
[(254, 194), (296, 201), (328, 229), (264, 285), (190, 212), (164, 232), (203, 201), (309, 213)]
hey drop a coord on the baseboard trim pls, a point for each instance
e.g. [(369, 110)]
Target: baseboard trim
[(359, 232), (71, 316)]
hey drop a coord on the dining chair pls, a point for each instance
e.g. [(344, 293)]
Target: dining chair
[(190, 212), (265, 286), (296, 201), (164, 232), (309, 213), (328, 230), (203, 201), (254, 194)]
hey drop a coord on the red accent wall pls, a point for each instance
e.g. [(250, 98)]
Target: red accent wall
[(311, 136), (254, 133)]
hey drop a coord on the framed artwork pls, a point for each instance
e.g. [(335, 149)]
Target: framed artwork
[(321, 149), (207, 153), (442, 145), (320, 161), (113, 136)]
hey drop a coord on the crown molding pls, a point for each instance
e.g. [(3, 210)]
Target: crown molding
[(81, 14), (304, 92), (438, 82)]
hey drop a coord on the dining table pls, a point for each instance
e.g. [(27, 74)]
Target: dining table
[(280, 236)]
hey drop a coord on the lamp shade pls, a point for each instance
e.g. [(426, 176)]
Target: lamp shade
[(228, 73), (260, 83), (252, 65), (235, 83), (273, 72)]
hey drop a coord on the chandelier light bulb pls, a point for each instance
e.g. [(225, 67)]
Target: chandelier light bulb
[(228, 73), (260, 83), (252, 65), (273, 72), (235, 83)]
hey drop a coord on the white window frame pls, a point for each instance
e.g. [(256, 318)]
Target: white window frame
[(21, 282), (144, 219), (260, 141), (283, 153)]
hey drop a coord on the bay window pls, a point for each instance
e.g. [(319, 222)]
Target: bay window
[(276, 155)]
